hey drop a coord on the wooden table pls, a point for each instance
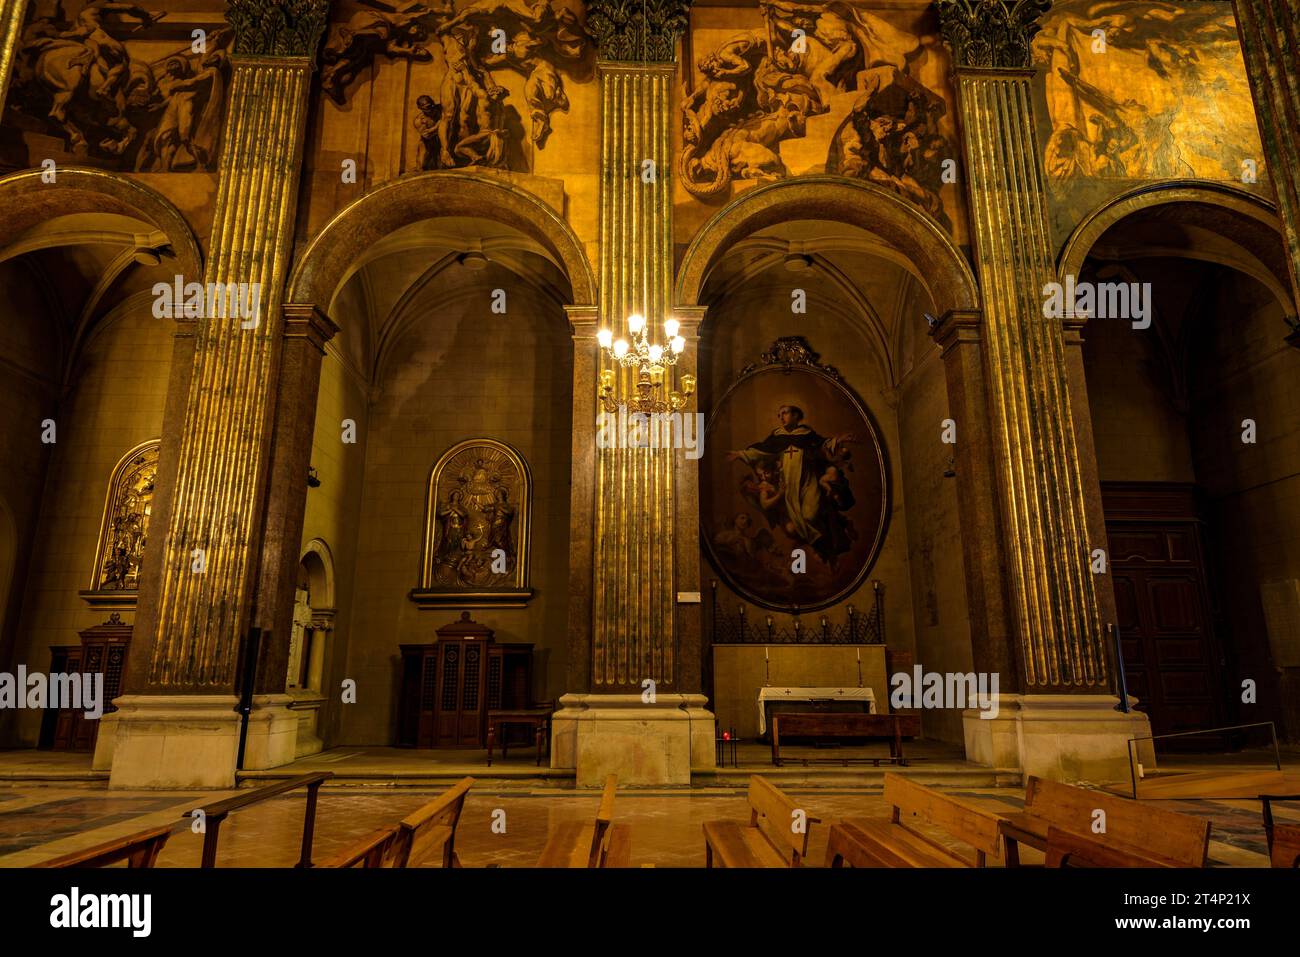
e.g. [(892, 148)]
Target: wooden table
[(892, 727), (539, 719)]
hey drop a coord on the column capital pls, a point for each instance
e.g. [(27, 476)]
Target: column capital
[(277, 28), (305, 321), (991, 33), (585, 320), (957, 326), (638, 31)]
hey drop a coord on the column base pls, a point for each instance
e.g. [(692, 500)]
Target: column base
[(1070, 738), (170, 741), (644, 744), (272, 733)]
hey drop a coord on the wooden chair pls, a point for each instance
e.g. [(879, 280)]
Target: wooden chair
[(868, 842), (368, 852), (579, 844), (430, 830), (138, 850), (1145, 831), (1283, 839), (769, 840), (1070, 849)]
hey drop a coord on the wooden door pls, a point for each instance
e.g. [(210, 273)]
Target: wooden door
[(1171, 658), (462, 678)]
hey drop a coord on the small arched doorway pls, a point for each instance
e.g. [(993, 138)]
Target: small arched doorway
[(310, 645)]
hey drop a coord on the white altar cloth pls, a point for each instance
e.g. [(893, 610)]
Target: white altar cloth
[(811, 694)]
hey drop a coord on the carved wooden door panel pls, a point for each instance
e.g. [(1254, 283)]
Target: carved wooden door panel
[(1170, 656), (462, 698)]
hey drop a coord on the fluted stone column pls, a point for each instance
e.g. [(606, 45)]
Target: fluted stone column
[(11, 30), (1270, 45), (635, 718), (1066, 726), (177, 727)]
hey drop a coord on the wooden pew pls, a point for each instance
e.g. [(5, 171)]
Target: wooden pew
[(1283, 839), (138, 850), (768, 840), (868, 842), (579, 844), (1179, 840), (1071, 849), (430, 830), (368, 852)]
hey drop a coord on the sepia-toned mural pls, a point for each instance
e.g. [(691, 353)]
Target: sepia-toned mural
[(118, 85), (819, 87), (793, 482), (1136, 92), (462, 110)]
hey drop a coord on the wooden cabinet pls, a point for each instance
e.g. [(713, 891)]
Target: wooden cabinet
[(449, 686), (103, 650)]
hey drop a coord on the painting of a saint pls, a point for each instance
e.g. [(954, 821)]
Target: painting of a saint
[(795, 516)]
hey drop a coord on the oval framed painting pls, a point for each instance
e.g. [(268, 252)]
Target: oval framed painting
[(793, 462)]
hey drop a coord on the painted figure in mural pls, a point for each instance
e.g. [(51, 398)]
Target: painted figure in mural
[(395, 32), (1122, 81), (187, 132), (798, 483), (87, 75), (427, 117), (470, 130), (892, 138)]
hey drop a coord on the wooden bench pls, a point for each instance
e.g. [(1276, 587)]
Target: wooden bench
[(602, 844), (368, 852), (891, 727), (1071, 849), (768, 840), (1283, 839), (1177, 840), (138, 850), (430, 831), (869, 842)]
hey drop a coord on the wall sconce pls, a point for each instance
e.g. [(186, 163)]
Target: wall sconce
[(950, 470), (313, 480)]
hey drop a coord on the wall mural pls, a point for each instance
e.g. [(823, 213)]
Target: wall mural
[(466, 116), (860, 89), (477, 527), (796, 464), (1141, 91), (119, 86)]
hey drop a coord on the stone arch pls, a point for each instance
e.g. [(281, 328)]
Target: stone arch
[(940, 264), (319, 562), (408, 199), (1246, 219), (27, 201)]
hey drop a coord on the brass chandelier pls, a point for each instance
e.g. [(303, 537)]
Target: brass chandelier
[(651, 361)]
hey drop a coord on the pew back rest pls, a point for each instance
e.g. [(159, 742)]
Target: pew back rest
[(430, 829), (774, 814), (370, 851), (1149, 830), (138, 850), (1071, 849), (604, 816), (1285, 851), (914, 803)]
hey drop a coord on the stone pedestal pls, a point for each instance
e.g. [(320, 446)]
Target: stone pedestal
[(306, 706), (1071, 738), (171, 741), (643, 743)]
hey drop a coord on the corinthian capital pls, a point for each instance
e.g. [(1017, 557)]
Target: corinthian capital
[(288, 28), (991, 33), (637, 30)]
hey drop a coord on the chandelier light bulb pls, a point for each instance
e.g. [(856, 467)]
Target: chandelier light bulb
[(620, 348), (656, 353), (605, 338), (671, 326), (678, 345), (636, 322)]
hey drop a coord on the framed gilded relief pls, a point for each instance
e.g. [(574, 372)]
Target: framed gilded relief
[(794, 484), (476, 528), (124, 529)]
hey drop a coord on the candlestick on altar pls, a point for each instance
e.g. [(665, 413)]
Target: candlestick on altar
[(859, 667), (767, 669)]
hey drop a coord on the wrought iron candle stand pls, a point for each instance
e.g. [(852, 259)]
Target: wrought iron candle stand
[(856, 629)]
